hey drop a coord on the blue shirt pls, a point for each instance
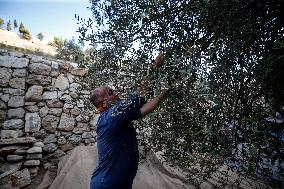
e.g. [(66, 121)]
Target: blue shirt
[(117, 145)]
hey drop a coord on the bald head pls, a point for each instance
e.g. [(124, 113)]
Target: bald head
[(103, 97), (97, 95)]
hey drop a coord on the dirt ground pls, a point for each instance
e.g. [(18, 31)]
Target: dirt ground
[(13, 39)]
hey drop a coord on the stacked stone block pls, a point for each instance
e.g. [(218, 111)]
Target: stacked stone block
[(15, 169), (42, 101)]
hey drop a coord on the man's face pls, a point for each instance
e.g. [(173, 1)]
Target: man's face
[(110, 96)]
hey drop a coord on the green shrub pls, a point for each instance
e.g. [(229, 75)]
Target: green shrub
[(9, 26), (24, 32)]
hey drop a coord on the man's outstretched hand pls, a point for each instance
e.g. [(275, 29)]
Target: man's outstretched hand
[(144, 85), (160, 60)]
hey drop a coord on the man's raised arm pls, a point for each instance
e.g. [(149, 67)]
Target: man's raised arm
[(153, 103)]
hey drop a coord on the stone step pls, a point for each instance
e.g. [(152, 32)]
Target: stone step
[(14, 158), (34, 150), (33, 156), (10, 167), (30, 163), (6, 150), (22, 140), (18, 179)]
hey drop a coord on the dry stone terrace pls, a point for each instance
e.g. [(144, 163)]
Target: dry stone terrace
[(43, 115)]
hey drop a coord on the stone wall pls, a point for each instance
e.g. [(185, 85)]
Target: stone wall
[(42, 115)]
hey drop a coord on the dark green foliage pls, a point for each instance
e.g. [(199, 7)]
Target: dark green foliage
[(21, 27), (71, 51), (15, 24), (224, 62), (24, 32), (68, 50), (9, 26), (40, 36)]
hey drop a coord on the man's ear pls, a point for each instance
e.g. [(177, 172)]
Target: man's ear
[(104, 104)]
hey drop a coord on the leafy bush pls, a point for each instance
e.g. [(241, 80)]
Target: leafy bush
[(68, 50), (24, 32), (57, 42)]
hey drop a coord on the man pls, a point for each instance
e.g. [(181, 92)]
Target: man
[(116, 137)]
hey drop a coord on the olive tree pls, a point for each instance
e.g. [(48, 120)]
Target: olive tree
[(223, 65)]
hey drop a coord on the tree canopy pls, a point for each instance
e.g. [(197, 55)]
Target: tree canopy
[(224, 62), (68, 50)]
